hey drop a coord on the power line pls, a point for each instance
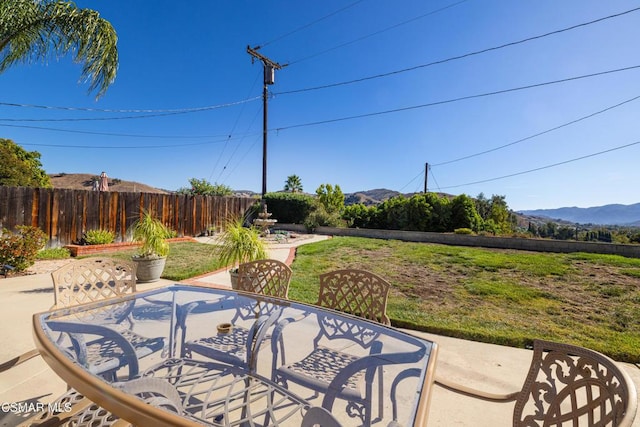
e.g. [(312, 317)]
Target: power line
[(144, 116), (544, 167), (124, 135), (454, 58), (434, 178), (414, 178), (106, 110), (410, 107), (233, 128), (462, 98), (237, 146), (257, 140), (538, 134), (433, 12), (121, 147), (311, 23)]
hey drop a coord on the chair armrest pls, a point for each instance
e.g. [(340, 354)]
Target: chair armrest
[(79, 345), (257, 335), (278, 340), (372, 361), (478, 394)]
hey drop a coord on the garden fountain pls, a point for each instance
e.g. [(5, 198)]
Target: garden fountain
[(264, 221)]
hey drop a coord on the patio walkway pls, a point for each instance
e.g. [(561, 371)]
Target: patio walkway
[(486, 366)]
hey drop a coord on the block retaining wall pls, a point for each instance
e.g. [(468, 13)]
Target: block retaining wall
[(537, 245)]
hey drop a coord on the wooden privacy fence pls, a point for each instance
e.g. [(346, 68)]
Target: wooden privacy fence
[(65, 214)]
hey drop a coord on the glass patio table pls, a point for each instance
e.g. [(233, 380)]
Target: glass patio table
[(257, 376)]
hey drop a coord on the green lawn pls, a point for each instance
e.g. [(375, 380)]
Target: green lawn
[(498, 296)]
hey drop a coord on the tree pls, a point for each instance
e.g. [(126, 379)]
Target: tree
[(202, 187), (35, 29), (331, 198), (21, 168), (483, 206), (440, 218), (293, 184), (498, 218), (464, 214)]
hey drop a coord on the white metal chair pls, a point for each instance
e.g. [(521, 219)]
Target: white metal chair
[(83, 281), (268, 277), (265, 276), (92, 279), (566, 385), (97, 279), (356, 292)]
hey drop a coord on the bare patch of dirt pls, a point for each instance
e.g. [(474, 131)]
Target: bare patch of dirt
[(40, 267)]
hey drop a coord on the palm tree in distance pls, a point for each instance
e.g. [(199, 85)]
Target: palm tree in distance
[(32, 30), (293, 184)]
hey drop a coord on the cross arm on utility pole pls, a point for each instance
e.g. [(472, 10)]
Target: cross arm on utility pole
[(266, 61)]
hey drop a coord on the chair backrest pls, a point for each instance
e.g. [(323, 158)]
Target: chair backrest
[(266, 276), (357, 292), (92, 279), (569, 384)]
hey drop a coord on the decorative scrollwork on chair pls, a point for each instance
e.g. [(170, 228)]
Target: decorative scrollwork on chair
[(566, 384)]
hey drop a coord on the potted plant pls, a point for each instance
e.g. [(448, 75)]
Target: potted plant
[(239, 244), (152, 255)]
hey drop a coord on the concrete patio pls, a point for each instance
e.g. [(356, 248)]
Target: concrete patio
[(485, 366)]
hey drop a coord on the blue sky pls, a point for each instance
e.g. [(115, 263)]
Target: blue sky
[(175, 56)]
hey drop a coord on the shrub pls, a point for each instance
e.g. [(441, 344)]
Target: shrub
[(463, 231), (152, 233), (289, 208), (320, 217), (98, 237), (358, 215), (20, 249), (240, 244)]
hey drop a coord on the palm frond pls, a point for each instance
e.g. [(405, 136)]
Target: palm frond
[(33, 30)]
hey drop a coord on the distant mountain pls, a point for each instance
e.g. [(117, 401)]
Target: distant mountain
[(377, 196), (603, 215), (369, 197), (84, 181)]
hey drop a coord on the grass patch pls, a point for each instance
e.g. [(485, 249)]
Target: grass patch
[(498, 296), (501, 290), (185, 260), (53, 253), (631, 272)]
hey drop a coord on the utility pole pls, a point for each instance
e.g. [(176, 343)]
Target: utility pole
[(426, 173), (269, 68)]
